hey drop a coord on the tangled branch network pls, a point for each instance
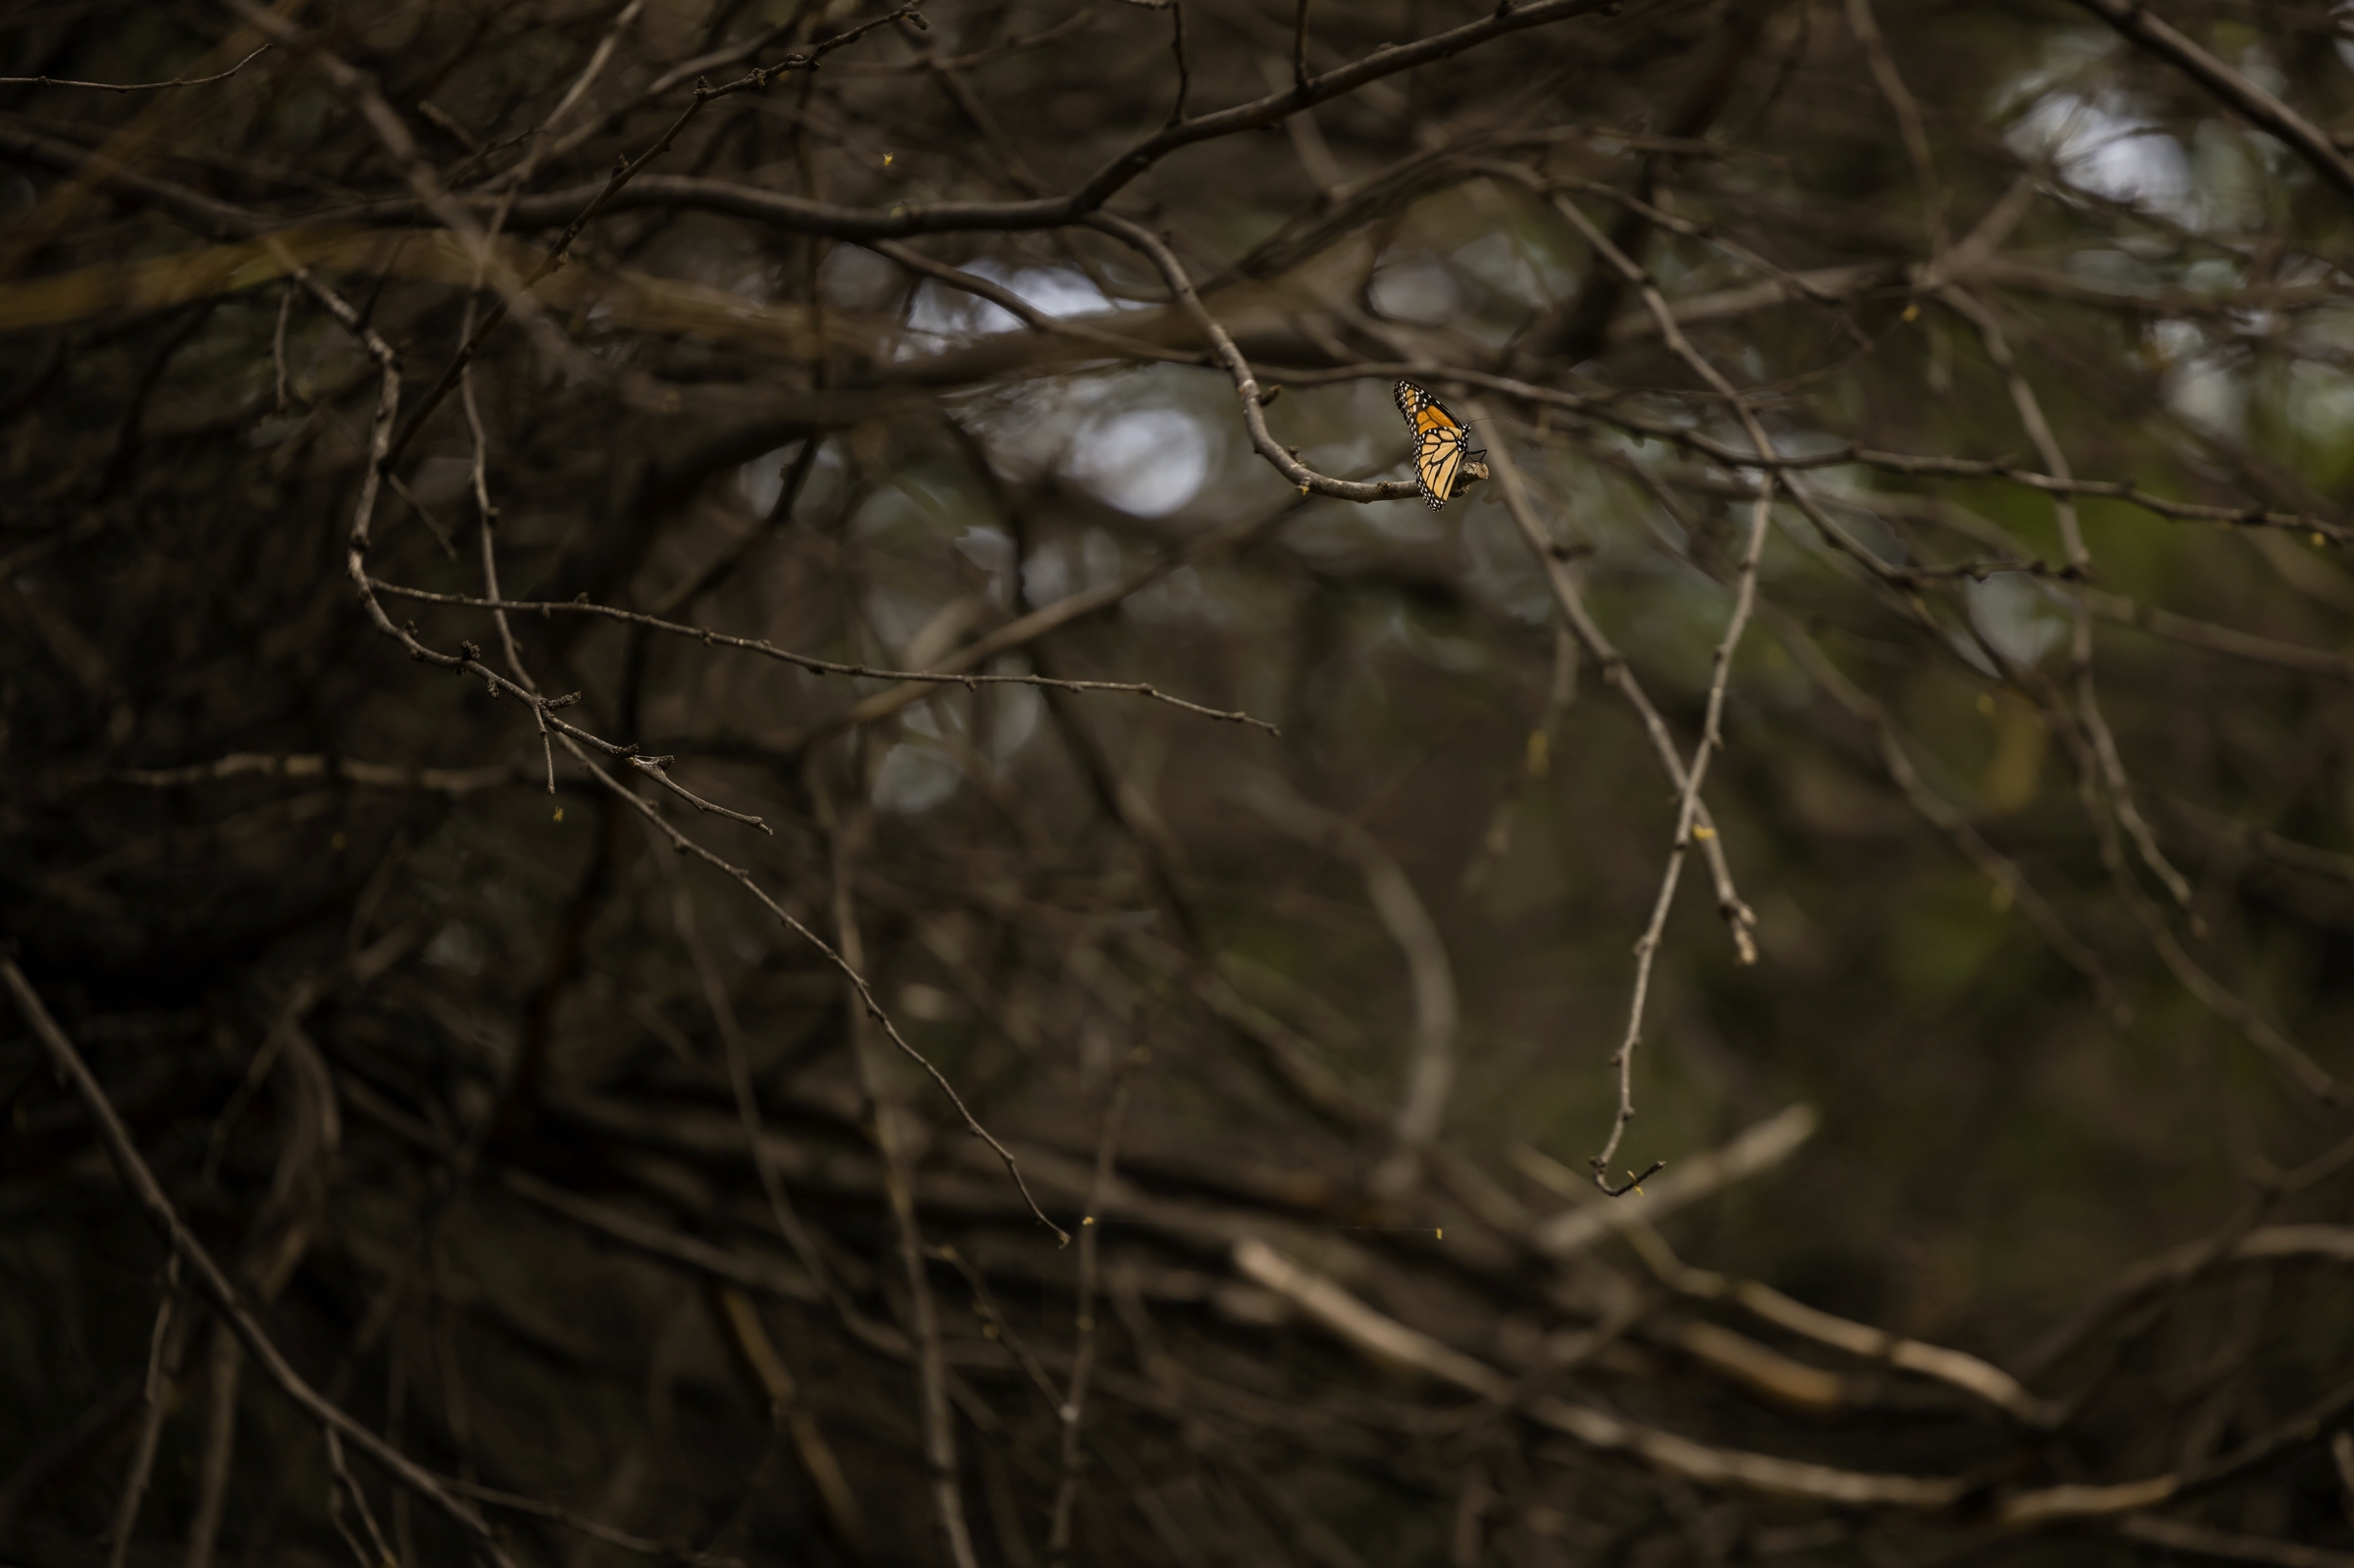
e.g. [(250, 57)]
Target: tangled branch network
[(767, 815)]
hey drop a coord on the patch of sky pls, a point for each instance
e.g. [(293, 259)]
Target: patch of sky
[(1415, 286), (1131, 438), (762, 284), (852, 277), (1052, 572), (2198, 384), (942, 496), (944, 316), (2230, 175), (1502, 263), (1182, 596), (2214, 275), (2320, 400), (914, 778), (1361, 450), (992, 550), (1148, 461), (2108, 266), (1454, 655), (762, 480), (897, 620), (459, 946), (2098, 143), (2097, 137), (1498, 568), (2020, 616), (1873, 535), (918, 773), (1028, 427)]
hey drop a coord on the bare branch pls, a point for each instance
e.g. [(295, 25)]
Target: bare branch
[(141, 86)]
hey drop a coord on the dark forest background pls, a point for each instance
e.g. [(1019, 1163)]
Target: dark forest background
[(532, 1039)]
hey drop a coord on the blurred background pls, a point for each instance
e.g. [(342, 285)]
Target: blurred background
[(2003, 1208)]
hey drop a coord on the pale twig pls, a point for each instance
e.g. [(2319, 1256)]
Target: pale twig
[(1384, 1339), (1980, 1378), (1745, 593), (1024, 630), (1029, 316), (486, 514), (1604, 410), (1758, 1149), (658, 770), (1647, 945)]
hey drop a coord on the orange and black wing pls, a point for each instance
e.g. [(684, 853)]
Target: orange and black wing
[(1440, 442)]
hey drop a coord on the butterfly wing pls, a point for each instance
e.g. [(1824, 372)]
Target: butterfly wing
[(1436, 463), (1440, 442)]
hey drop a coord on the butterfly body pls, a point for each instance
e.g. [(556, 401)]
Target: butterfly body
[(1444, 465)]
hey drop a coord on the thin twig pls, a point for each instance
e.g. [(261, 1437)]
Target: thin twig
[(532, 1508), (226, 1375), (1867, 29), (1185, 70), (383, 1555), (1245, 383), (278, 344), (2112, 769), (135, 87), (1570, 599), (163, 1341), (1073, 1410), (815, 665)]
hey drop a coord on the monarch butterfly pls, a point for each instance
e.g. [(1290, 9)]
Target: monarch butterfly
[(1445, 466)]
